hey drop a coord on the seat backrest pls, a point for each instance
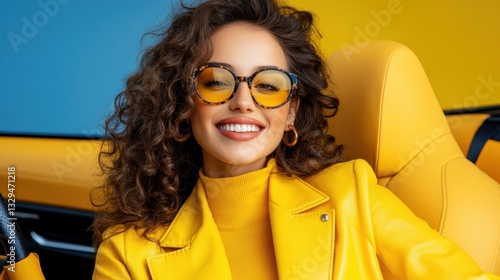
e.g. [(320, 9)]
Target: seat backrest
[(390, 117)]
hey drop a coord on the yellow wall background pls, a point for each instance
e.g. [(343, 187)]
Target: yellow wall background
[(457, 42)]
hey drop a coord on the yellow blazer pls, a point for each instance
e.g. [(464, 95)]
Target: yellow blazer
[(338, 224)]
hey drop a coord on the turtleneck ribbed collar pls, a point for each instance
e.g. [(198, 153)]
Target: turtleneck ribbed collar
[(240, 201)]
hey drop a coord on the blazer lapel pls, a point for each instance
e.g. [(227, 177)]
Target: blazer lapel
[(303, 234), (195, 247)]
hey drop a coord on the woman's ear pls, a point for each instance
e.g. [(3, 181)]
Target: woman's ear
[(292, 112)]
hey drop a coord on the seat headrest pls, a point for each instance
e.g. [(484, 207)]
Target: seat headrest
[(388, 111)]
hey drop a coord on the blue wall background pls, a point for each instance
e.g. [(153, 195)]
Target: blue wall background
[(62, 62)]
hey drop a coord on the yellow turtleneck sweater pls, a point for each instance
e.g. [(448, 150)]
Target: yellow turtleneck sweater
[(240, 208)]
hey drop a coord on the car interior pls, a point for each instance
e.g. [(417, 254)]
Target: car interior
[(391, 119), (396, 111), (53, 179), (477, 131)]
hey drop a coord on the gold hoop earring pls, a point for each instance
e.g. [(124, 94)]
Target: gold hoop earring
[(295, 137)]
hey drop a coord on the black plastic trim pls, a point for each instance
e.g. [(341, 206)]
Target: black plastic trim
[(492, 110)]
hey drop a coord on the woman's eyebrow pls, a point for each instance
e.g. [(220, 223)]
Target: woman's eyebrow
[(228, 65), (222, 64)]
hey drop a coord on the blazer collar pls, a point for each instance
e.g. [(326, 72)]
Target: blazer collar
[(291, 194), (188, 221), (294, 195), (194, 226), (193, 244)]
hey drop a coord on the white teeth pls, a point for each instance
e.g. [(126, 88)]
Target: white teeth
[(239, 127)]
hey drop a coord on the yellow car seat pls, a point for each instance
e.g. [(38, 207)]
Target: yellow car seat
[(390, 117)]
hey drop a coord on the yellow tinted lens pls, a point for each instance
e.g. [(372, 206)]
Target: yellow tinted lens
[(215, 85), (271, 87)]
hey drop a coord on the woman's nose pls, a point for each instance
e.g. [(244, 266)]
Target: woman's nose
[(242, 99)]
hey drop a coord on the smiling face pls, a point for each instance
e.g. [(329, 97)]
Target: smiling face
[(237, 136)]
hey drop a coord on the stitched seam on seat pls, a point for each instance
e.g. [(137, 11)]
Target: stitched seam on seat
[(497, 249), (382, 103), (444, 193), (410, 161)]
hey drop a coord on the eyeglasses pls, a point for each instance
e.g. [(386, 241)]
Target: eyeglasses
[(270, 87)]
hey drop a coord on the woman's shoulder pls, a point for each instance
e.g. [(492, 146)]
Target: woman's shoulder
[(123, 252), (344, 178), (347, 170), (116, 231), (132, 235)]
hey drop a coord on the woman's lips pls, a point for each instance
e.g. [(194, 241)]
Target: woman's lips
[(240, 129)]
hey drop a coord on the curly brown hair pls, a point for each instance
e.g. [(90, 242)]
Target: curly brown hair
[(151, 160)]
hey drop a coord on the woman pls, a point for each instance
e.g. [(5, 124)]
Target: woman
[(221, 167)]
